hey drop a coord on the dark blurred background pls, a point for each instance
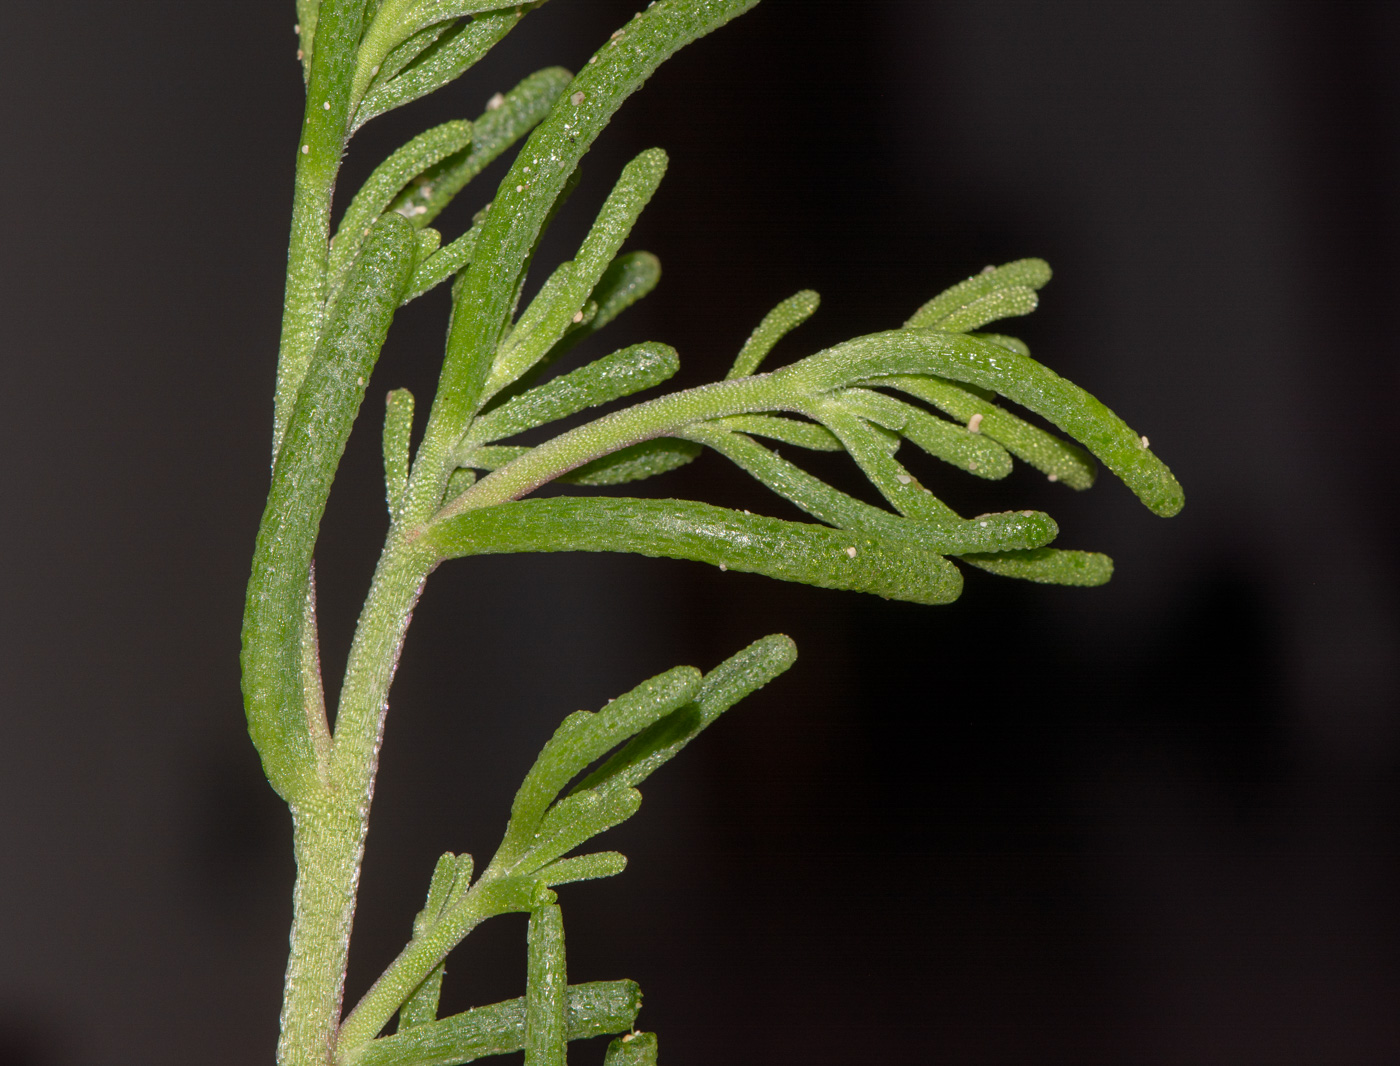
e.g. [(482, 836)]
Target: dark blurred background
[(1157, 822)]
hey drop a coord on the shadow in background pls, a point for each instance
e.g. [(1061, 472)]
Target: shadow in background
[(1152, 823)]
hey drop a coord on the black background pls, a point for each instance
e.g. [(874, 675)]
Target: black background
[(1151, 823)]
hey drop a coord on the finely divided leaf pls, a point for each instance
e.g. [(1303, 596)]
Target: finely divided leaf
[(628, 278), (429, 241), (307, 11), (992, 532), (779, 322), (513, 228), (398, 21), (631, 276), (312, 686), (582, 868), (575, 819), (570, 286), (421, 1007), (1058, 459), (681, 529), (1011, 344), (953, 444), (546, 989), (542, 317), (519, 111), (595, 1009), (1006, 303), (1048, 566), (619, 374), (876, 462), (447, 52), (441, 264), (788, 430), (398, 428), (636, 462), (383, 185), (1026, 274), (584, 737), (991, 366), (406, 53), (440, 891), (493, 456), (729, 682)]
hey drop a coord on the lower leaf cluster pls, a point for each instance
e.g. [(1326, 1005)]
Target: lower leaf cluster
[(624, 743)]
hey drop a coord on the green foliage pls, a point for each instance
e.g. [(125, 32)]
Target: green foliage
[(383, 186), (642, 729), (463, 491), (596, 1009), (777, 324), (327, 403)]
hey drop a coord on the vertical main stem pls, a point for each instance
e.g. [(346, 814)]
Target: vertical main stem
[(330, 822), (329, 844), (330, 826)]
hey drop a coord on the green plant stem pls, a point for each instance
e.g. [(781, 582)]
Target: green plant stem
[(644, 421), (374, 656), (329, 843), (418, 959), (332, 823), (794, 389)]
